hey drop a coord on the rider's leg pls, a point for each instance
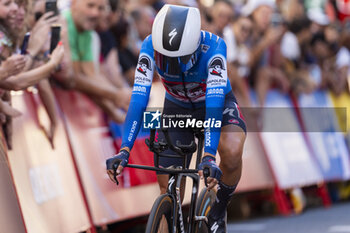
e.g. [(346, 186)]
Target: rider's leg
[(163, 182), (163, 185), (185, 137), (230, 150)]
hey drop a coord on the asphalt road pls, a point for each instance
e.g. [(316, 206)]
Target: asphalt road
[(335, 219)]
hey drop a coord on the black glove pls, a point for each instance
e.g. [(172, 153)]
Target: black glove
[(122, 158), (209, 162)]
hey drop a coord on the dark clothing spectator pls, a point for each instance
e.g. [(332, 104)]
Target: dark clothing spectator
[(108, 43)]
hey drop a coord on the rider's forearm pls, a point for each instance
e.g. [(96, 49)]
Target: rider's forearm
[(214, 109), (133, 121), (212, 133)]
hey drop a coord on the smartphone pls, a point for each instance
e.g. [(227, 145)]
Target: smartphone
[(25, 43), (55, 36), (51, 5)]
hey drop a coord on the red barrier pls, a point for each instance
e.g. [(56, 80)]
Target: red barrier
[(45, 179), (256, 174), (91, 145), (11, 220)]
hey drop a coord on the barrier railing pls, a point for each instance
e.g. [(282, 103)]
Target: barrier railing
[(69, 191)]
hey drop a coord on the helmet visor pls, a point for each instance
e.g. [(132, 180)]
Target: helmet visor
[(175, 65)]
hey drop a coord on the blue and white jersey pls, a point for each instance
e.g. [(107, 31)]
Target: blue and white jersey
[(205, 84)]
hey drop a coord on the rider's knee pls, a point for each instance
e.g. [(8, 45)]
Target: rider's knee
[(163, 184), (231, 157), (162, 190)]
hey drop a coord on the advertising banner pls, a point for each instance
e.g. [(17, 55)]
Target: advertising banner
[(92, 144), (256, 174), (286, 148), (325, 135), (45, 178)]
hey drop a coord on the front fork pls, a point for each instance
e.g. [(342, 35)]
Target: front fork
[(174, 191)]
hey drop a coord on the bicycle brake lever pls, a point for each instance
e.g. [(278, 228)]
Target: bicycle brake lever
[(115, 175)]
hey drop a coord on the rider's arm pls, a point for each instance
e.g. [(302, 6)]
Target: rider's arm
[(215, 97), (140, 94)]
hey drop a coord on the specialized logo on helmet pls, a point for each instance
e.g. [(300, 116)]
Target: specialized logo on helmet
[(216, 66), (172, 35), (143, 65)]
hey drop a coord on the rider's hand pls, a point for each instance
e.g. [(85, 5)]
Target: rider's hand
[(121, 159), (215, 172)]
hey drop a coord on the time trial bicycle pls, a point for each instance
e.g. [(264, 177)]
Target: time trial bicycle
[(167, 210)]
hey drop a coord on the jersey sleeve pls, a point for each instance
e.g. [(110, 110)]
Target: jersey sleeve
[(140, 94), (215, 97)]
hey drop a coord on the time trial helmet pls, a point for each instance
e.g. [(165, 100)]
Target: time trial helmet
[(176, 36)]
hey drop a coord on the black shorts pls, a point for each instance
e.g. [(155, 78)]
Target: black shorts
[(231, 115)]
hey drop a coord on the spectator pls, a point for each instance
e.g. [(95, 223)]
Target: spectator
[(190, 3), (81, 71), (322, 69), (340, 9), (128, 60), (294, 47), (18, 80), (292, 10), (109, 53), (14, 64), (8, 10), (156, 4), (332, 33), (235, 36), (319, 20), (264, 73), (332, 66), (35, 45), (43, 86), (221, 14), (342, 63), (142, 20)]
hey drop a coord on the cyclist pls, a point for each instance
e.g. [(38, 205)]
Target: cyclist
[(192, 66)]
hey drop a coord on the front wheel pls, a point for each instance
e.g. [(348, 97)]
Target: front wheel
[(160, 219), (205, 200)]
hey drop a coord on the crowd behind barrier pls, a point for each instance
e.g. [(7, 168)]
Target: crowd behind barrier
[(62, 112)]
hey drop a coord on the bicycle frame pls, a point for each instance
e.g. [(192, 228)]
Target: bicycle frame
[(175, 177)]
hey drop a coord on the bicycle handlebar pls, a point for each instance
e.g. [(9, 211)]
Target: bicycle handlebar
[(158, 147), (206, 171), (161, 146)]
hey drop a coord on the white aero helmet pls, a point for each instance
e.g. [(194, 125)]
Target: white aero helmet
[(176, 35)]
